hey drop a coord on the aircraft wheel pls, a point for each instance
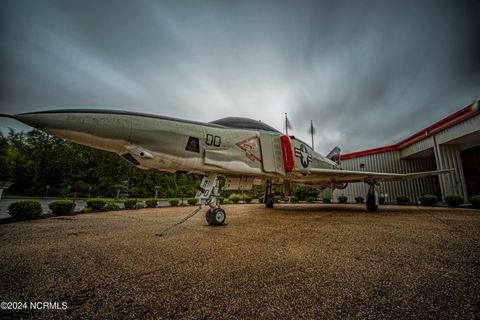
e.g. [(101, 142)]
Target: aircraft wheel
[(270, 202), (371, 206), (217, 216), (208, 215)]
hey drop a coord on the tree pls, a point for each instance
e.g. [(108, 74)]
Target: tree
[(34, 160)]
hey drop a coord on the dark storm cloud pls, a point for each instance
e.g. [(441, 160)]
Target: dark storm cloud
[(366, 72)]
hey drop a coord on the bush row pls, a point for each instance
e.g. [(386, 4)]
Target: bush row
[(32, 209), (174, 202), (425, 200)]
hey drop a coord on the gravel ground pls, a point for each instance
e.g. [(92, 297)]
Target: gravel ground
[(294, 261)]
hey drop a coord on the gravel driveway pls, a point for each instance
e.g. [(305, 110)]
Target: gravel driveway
[(294, 261)]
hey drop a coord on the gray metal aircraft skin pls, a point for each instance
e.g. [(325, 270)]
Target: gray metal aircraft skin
[(252, 150)]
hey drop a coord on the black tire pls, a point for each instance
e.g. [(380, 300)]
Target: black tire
[(208, 215), (270, 202), (371, 205), (218, 216)]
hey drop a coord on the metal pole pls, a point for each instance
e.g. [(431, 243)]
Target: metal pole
[(286, 124), (439, 163), (311, 131)]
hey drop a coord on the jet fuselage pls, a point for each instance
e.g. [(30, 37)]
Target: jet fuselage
[(169, 144)]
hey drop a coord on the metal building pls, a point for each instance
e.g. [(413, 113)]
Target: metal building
[(453, 142)]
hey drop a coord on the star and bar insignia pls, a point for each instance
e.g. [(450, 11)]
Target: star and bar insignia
[(304, 155)]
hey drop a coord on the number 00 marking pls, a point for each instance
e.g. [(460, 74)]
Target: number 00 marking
[(213, 140)]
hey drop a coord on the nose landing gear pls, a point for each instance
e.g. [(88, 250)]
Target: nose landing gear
[(208, 191), (269, 196), (215, 216)]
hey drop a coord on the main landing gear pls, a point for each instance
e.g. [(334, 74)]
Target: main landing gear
[(372, 198), (268, 198), (208, 191)]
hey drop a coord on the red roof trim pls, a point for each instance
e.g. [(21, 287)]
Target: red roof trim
[(446, 122), (367, 152)]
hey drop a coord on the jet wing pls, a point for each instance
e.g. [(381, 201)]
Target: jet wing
[(337, 175)]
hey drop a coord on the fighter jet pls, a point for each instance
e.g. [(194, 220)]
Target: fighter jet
[(244, 151)]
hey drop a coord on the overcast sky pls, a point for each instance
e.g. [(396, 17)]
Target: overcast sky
[(368, 73)]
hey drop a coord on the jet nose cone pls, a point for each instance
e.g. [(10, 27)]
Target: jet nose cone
[(68, 123), (38, 121)]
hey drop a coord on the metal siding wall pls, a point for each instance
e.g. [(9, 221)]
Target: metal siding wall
[(454, 182), (458, 130), (416, 147), (391, 162)]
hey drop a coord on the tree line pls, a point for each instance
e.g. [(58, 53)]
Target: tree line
[(43, 165)]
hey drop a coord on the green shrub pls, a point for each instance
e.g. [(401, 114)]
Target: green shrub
[(381, 200), (174, 202), (192, 201), (86, 210), (342, 199), (111, 206), (61, 206), (403, 200), (310, 199), (359, 199), (428, 200), (25, 209), (277, 199), (302, 193), (226, 201), (130, 203), (475, 201), (327, 200), (151, 203), (235, 198), (293, 199), (221, 199), (96, 204), (140, 206), (248, 199), (454, 201)]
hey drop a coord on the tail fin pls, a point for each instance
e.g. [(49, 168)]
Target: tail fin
[(334, 155)]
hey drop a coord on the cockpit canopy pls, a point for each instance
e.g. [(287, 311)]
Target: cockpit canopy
[(244, 123)]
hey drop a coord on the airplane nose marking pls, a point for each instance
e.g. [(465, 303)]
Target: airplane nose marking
[(304, 155)]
